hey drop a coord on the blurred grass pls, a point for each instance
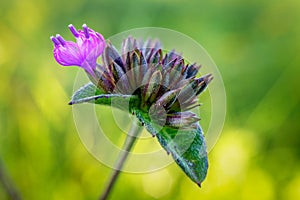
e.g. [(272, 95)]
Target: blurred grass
[(256, 45)]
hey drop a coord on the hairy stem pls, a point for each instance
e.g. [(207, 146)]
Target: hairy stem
[(134, 131), (8, 185)]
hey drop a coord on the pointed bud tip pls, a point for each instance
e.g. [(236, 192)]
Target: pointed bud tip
[(197, 119), (208, 78), (71, 103), (199, 184)]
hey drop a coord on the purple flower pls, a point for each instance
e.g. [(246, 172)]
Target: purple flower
[(84, 52)]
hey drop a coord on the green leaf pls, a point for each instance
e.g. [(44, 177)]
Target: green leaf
[(89, 93), (187, 146), (85, 91)]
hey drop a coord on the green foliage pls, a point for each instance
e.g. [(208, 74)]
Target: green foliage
[(91, 94), (186, 145)]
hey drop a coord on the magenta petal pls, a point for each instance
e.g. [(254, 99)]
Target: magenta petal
[(84, 53), (68, 54)]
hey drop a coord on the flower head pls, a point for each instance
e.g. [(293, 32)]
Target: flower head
[(84, 52), (160, 89), (166, 85), (165, 89)]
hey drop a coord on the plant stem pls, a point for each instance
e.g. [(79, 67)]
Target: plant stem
[(134, 131), (8, 185)]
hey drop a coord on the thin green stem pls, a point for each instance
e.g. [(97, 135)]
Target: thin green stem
[(134, 131), (8, 185)]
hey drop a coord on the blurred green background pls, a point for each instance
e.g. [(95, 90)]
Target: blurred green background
[(256, 45)]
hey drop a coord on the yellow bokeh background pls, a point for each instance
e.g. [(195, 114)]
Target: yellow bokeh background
[(255, 45)]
